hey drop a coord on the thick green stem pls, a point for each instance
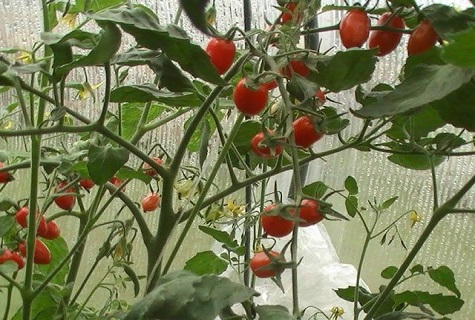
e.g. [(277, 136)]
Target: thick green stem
[(356, 311)]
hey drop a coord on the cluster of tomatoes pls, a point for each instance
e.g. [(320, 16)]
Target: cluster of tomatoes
[(152, 200), (355, 31)]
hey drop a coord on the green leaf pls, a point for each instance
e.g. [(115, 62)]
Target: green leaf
[(171, 77), (45, 305), (440, 303), (6, 203), (94, 6), (184, 295), (389, 272), (133, 111), (220, 236), (130, 272), (444, 276), (365, 97), (274, 312), (300, 88), (426, 84), (446, 142), (345, 70), (175, 43), (364, 297), (351, 185), (446, 20), (104, 162), (9, 267), (196, 11), (149, 92), (351, 204), (59, 250), (415, 162), (399, 315), (247, 130), (418, 268), (459, 50), (417, 125), (129, 173), (386, 204), (316, 189), (429, 57), (6, 223), (206, 262), (332, 123), (456, 108)]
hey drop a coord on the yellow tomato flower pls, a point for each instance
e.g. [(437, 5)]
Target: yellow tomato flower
[(24, 57), (69, 19), (88, 90), (414, 218), (336, 312), (234, 209)]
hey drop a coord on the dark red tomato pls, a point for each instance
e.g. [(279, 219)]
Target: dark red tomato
[(53, 231), (86, 183), (422, 39), (290, 12), (308, 211), (263, 267), (65, 202), (320, 95), (275, 226), (249, 101), (150, 202), (221, 53), (9, 255), (117, 183), (298, 66), (272, 150), (354, 28), (386, 41), (42, 254), (148, 169), (304, 132), (21, 217), (270, 85), (5, 177)]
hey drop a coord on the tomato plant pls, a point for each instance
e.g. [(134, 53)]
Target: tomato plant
[(221, 53), (266, 264), (386, 40), (422, 38), (274, 224), (308, 211), (65, 202), (248, 100), (42, 255), (305, 132), (263, 149), (354, 28)]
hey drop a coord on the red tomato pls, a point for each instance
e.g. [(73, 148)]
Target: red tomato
[(263, 267), (249, 101), (270, 85), (304, 132), (221, 53), (320, 95), (117, 183), (308, 211), (65, 202), (289, 14), (42, 254), (150, 202), (298, 66), (5, 177), (53, 231), (422, 39), (265, 151), (86, 183), (354, 28), (275, 226), (9, 255), (148, 169), (386, 41), (21, 217)]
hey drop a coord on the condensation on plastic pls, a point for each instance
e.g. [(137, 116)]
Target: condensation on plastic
[(451, 244)]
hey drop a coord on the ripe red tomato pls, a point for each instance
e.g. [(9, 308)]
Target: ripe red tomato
[(308, 211), (117, 183), (148, 169), (422, 38), (320, 95), (86, 183), (221, 53), (5, 177), (267, 151), (275, 226), (65, 202), (263, 267), (249, 101), (354, 28), (42, 254), (298, 66), (386, 41), (304, 132), (53, 231), (9, 255), (289, 14), (270, 85), (150, 202), (21, 217)]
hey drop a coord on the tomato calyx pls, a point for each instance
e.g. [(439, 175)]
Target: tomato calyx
[(266, 144), (267, 264), (277, 220)]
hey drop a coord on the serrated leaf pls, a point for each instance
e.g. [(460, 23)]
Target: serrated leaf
[(105, 161), (388, 203), (273, 312), (184, 295), (206, 262), (6, 223), (351, 204), (460, 48), (442, 304), (351, 185), (389, 272), (149, 92), (444, 276), (196, 11), (425, 85), (175, 43), (345, 69), (315, 189)]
